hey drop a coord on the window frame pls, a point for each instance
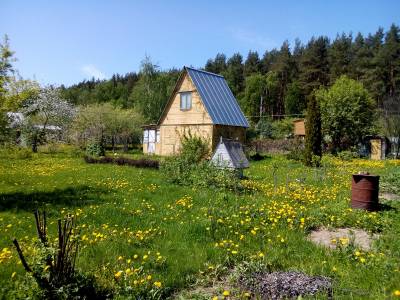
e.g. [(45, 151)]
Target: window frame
[(185, 101)]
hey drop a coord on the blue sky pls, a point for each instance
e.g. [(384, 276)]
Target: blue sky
[(64, 42)]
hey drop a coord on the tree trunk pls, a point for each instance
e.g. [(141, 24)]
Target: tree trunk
[(126, 144), (34, 143)]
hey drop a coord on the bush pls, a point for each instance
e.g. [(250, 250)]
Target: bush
[(297, 152), (53, 266), (347, 155), (264, 128), (95, 149), (194, 148), (203, 174), (191, 168), (282, 128)]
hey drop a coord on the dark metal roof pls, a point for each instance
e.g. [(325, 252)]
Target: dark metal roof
[(235, 151), (218, 99)]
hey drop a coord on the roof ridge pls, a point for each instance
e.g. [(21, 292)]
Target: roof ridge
[(202, 71)]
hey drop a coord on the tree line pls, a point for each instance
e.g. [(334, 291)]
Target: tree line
[(274, 84)]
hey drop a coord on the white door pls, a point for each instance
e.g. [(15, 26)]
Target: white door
[(151, 146)]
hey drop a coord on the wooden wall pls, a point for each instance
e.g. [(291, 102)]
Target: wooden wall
[(197, 115), (171, 136), (299, 128), (229, 132)]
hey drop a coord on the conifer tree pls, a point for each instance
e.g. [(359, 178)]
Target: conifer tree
[(313, 145), (314, 65), (252, 64)]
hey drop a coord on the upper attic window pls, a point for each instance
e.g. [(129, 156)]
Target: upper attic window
[(186, 101)]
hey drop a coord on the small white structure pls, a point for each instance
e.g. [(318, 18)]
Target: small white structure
[(229, 154)]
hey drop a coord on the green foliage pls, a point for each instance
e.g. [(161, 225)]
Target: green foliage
[(282, 128), (194, 149), (152, 91), (314, 66), (347, 155), (234, 73), (103, 122), (347, 113), (95, 149), (264, 128), (297, 152), (313, 146), (254, 91), (294, 99), (15, 152), (191, 168)]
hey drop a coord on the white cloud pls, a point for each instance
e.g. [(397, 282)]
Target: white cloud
[(92, 71), (252, 38)]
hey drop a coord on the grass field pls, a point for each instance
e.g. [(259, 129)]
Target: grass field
[(139, 232)]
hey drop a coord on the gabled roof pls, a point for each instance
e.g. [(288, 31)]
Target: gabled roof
[(234, 149), (217, 98)]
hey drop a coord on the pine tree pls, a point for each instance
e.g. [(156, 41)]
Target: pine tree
[(252, 64), (339, 56), (313, 145), (391, 60), (282, 68), (314, 67), (234, 73), (268, 60)]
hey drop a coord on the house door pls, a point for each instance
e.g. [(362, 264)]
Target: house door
[(151, 146)]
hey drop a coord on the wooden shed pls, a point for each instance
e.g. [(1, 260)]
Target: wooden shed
[(229, 154), (202, 104), (375, 147), (299, 129)]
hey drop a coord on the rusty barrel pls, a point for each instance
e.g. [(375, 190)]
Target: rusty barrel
[(365, 192)]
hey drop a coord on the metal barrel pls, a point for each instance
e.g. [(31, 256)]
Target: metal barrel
[(365, 192)]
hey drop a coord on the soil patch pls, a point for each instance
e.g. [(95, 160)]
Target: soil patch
[(389, 196), (287, 285), (343, 237)]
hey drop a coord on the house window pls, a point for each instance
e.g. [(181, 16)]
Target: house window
[(145, 136), (186, 101)]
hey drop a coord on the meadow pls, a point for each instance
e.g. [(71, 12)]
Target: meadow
[(140, 233)]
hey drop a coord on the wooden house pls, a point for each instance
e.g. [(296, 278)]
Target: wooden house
[(202, 104), (229, 154), (299, 129)]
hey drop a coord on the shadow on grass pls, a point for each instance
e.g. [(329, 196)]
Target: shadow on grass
[(72, 196), (385, 207)]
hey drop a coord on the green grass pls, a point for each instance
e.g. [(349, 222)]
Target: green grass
[(186, 232)]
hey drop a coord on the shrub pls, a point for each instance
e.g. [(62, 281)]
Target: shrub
[(54, 264), (264, 128), (347, 155), (194, 148), (203, 174), (282, 128), (190, 167), (313, 145), (95, 149)]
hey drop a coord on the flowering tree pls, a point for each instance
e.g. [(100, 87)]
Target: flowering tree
[(44, 111)]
